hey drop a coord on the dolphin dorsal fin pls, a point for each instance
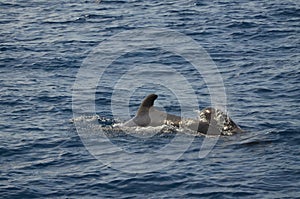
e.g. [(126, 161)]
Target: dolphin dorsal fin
[(147, 103)]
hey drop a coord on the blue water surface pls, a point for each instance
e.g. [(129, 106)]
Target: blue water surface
[(254, 44)]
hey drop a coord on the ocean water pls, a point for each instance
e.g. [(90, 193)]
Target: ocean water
[(69, 69)]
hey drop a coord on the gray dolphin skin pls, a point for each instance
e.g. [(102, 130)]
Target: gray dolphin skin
[(211, 121)]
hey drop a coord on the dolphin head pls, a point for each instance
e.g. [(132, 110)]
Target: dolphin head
[(216, 117)]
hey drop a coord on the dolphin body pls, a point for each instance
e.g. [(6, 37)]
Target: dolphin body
[(148, 115)]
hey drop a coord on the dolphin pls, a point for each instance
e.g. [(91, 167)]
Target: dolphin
[(211, 120)]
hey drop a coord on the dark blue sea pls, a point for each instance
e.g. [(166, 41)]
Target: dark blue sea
[(71, 70)]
